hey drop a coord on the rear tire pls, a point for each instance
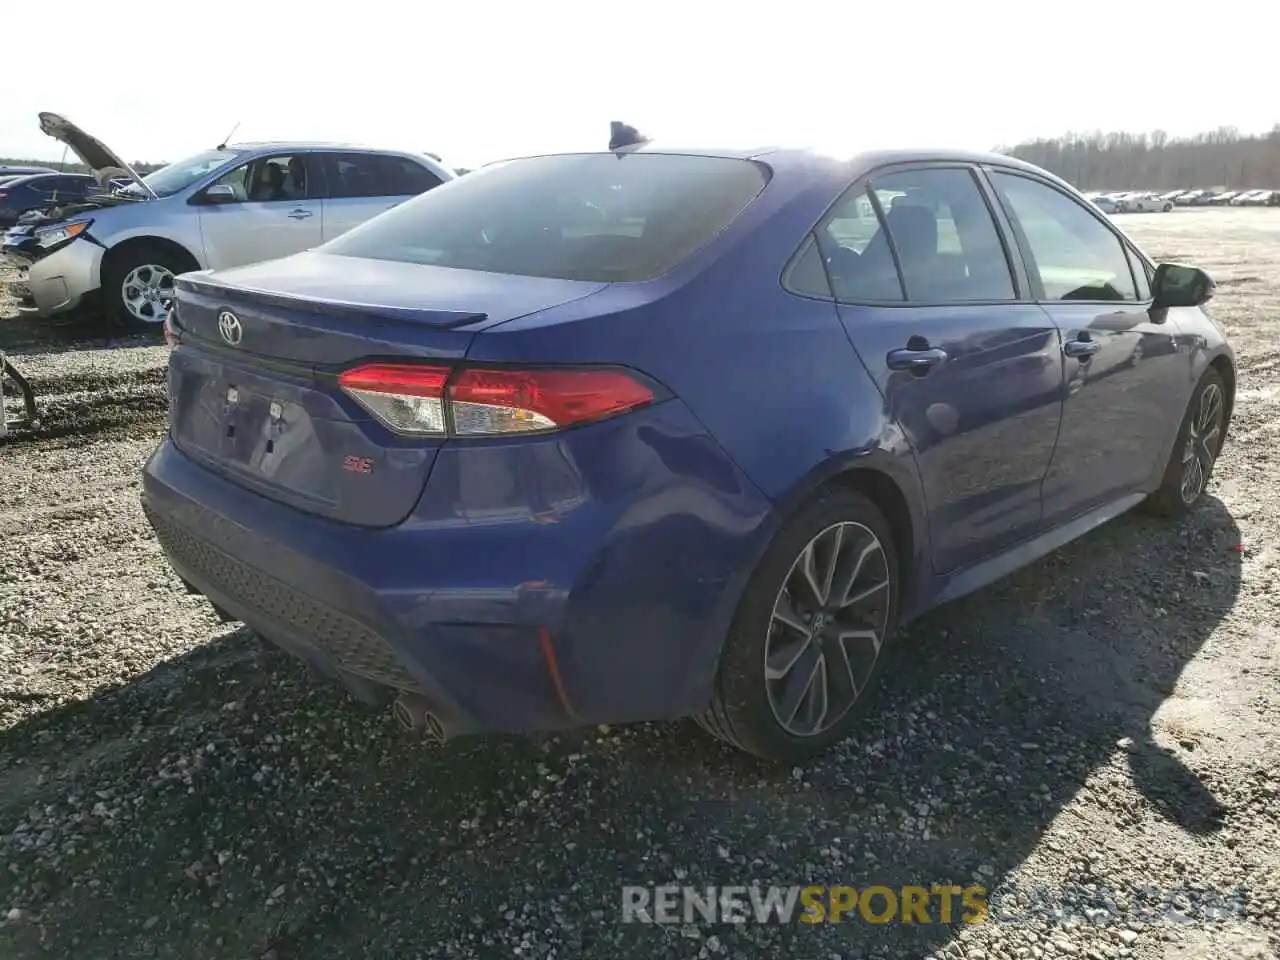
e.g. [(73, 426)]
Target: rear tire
[(1195, 452), (137, 284), (798, 668)]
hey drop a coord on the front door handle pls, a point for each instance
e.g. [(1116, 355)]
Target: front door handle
[(1082, 348), (916, 358), (299, 214)]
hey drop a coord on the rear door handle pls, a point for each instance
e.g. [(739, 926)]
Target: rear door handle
[(299, 214), (918, 360), (1082, 347)]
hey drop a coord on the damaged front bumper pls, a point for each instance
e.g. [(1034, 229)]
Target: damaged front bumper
[(58, 280)]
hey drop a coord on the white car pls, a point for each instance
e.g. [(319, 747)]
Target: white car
[(1143, 202), (232, 205)]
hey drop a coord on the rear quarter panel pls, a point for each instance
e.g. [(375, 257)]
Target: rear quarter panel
[(771, 375)]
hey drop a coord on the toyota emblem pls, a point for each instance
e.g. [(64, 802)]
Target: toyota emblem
[(229, 327)]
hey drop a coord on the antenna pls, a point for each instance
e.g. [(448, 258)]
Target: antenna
[(223, 144), (623, 135)]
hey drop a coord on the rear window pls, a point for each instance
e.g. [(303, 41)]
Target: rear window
[(594, 217)]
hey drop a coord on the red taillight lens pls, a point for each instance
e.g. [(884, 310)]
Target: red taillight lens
[(485, 402), (408, 398), (436, 401)]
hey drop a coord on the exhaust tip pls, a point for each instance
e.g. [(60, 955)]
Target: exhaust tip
[(414, 715)]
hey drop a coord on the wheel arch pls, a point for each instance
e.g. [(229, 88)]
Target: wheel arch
[(1227, 370), (890, 482), (125, 247)]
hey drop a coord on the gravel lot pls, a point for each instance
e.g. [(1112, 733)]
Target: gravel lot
[(1103, 721)]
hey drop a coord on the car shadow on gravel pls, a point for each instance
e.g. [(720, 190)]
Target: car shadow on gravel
[(224, 805)]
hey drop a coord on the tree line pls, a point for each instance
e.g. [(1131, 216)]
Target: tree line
[(1151, 161)]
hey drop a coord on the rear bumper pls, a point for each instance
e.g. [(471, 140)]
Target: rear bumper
[(585, 578), (59, 282)]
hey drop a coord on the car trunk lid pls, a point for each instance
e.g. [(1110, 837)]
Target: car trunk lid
[(253, 379)]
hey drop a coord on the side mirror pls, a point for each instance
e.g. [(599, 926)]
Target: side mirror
[(219, 193), (1178, 285)]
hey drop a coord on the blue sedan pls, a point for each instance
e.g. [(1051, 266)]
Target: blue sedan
[(649, 433)]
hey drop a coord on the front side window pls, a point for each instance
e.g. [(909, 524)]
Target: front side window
[(1142, 275), (597, 217), (939, 227), (282, 179), (1076, 257)]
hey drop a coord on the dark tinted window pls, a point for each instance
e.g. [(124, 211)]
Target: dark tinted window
[(356, 175), (402, 177), (599, 217), (807, 275), (1075, 256), (20, 187), (60, 187)]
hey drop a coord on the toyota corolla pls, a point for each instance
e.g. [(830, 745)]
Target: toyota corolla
[(648, 433)]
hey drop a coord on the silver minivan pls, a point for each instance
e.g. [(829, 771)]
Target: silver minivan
[(232, 205)]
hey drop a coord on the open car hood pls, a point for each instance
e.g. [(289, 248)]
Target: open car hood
[(93, 153)]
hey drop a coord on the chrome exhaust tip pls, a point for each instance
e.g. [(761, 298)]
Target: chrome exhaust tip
[(414, 715)]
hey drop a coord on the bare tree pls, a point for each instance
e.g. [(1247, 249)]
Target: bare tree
[(1116, 161)]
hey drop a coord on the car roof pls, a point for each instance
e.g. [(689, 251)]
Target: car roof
[(786, 158), (257, 146)]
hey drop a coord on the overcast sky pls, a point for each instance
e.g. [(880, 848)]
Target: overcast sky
[(477, 81)]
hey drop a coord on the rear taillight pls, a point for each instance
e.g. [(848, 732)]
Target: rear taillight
[(433, 401), (407, 398)]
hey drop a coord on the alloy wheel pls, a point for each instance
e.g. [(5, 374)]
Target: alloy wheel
[(1203, 437), (146, 292), (828, 626)]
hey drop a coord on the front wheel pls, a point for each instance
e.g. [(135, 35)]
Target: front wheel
[(805, 649), (138, 285), (1196, 449)]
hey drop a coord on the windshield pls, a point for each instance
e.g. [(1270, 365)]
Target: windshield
[(178, 176), (596, 217)]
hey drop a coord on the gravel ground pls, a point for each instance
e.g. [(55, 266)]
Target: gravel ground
[(1102, 721)]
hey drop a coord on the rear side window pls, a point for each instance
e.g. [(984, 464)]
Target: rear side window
[(355, 175), (401, 177), (595, 217), (943, 237), (947, 243), (63, 187)]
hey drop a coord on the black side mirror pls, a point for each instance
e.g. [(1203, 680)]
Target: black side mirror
[(1179, 285)]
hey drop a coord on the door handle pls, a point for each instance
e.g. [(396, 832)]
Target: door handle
[(299, 214), (919, 360), (1082, 348)]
